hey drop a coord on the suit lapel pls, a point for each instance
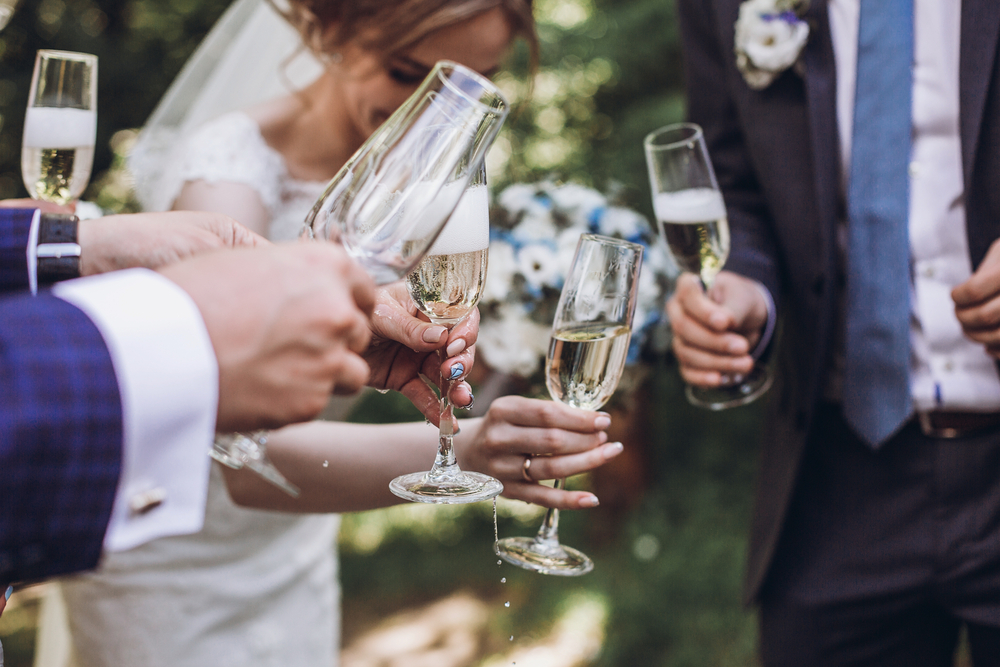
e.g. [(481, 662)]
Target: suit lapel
[(821, 97), (980, 27)]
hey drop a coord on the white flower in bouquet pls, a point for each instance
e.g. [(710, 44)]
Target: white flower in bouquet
[(539, 265), (535, 228), (502, 267), (622, 222), (512, 342), (769, 37), (578, 201), (566, 247), (520, 199)]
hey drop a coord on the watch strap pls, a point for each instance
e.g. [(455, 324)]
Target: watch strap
[(58, 252)]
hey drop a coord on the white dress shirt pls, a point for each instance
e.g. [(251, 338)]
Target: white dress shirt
[(168, 380), (949, 371)]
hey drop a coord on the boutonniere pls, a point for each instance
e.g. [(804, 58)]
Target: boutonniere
[(770, 35)]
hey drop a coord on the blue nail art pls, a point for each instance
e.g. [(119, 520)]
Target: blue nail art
[(456, 371), (6, 595)]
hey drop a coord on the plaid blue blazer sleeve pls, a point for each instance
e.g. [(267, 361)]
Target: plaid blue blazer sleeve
[(60, 438), (15, 224)]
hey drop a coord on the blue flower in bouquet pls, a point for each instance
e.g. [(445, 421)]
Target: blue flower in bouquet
[(534, 232)]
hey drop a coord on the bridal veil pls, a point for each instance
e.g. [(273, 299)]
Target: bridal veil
[(251, 54)]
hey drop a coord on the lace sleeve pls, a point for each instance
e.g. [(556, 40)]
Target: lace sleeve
[(231, 149)]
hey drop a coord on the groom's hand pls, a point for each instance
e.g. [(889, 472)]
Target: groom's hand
[(715, 333), (288, 325), (152, 240), (405, 345), (977, 303)]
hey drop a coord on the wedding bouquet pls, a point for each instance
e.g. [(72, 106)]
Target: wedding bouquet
[(533, 234)]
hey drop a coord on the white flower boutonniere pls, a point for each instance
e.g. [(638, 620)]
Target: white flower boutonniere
[(769, 38)]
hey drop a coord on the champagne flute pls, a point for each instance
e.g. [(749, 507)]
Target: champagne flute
[(60, 126), (389, 202), (692, 215), (586, 357), (446, 286)]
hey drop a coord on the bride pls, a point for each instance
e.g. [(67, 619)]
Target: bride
[(254, 127)]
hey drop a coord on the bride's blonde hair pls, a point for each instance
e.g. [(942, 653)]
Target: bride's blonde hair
[(391, 26)]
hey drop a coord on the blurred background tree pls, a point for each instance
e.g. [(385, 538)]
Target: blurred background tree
[(666, 590)]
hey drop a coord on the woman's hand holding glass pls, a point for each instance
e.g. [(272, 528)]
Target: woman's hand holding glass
[(560, 441), (405, 346)]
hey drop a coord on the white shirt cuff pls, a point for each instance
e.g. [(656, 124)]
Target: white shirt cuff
[(772, 320), (32, 251), (168, 378)]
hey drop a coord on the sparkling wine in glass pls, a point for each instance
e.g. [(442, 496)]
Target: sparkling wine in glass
[(586, 357), (389, 202), (688, 204), (446, 286), (60, 126)]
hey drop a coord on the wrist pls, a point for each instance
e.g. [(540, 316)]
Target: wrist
[(58, 249)]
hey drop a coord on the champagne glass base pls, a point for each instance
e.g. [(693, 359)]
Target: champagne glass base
[(749, 389), (454, 489), (531, 554), (239, 450)]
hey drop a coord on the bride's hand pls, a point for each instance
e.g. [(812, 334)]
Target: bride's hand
[(404, 346), (560, 441), (152, 240)]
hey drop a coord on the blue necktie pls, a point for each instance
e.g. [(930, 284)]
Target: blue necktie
[(877, 355)]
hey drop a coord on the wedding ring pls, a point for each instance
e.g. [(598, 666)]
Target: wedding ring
[(526, 470)]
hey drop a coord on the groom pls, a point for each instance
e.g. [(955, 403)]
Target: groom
[(877, 519)]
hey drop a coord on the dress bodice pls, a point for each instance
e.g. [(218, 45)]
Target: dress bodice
[(231, 149)]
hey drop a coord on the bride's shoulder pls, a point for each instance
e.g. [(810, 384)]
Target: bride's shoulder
[(276, 119)]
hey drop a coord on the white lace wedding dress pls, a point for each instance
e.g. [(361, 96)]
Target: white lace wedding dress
[(252, 588)]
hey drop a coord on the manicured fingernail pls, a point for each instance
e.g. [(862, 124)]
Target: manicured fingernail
[(456, 371), (725, 379), (8, 592), (601, 422), (472, 401), (612, 450), (434, 334), (456, 347), (589, 500)]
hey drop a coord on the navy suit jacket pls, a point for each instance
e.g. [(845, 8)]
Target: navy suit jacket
[(60, 424), (776, 155)]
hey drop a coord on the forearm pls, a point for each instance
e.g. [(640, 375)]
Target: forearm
[(340, 467)]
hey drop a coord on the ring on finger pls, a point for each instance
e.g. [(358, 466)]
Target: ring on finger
[(526, 470)]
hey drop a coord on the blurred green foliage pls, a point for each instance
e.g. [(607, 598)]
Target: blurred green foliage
[(142, 44)]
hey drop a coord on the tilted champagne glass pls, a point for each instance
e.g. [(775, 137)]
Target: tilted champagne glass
[(389, 202), (60, 126), (586, 357), (446, 286), (692, 215)]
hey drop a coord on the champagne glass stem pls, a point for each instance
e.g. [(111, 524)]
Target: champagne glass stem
[(548, 532), (446, 449)]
